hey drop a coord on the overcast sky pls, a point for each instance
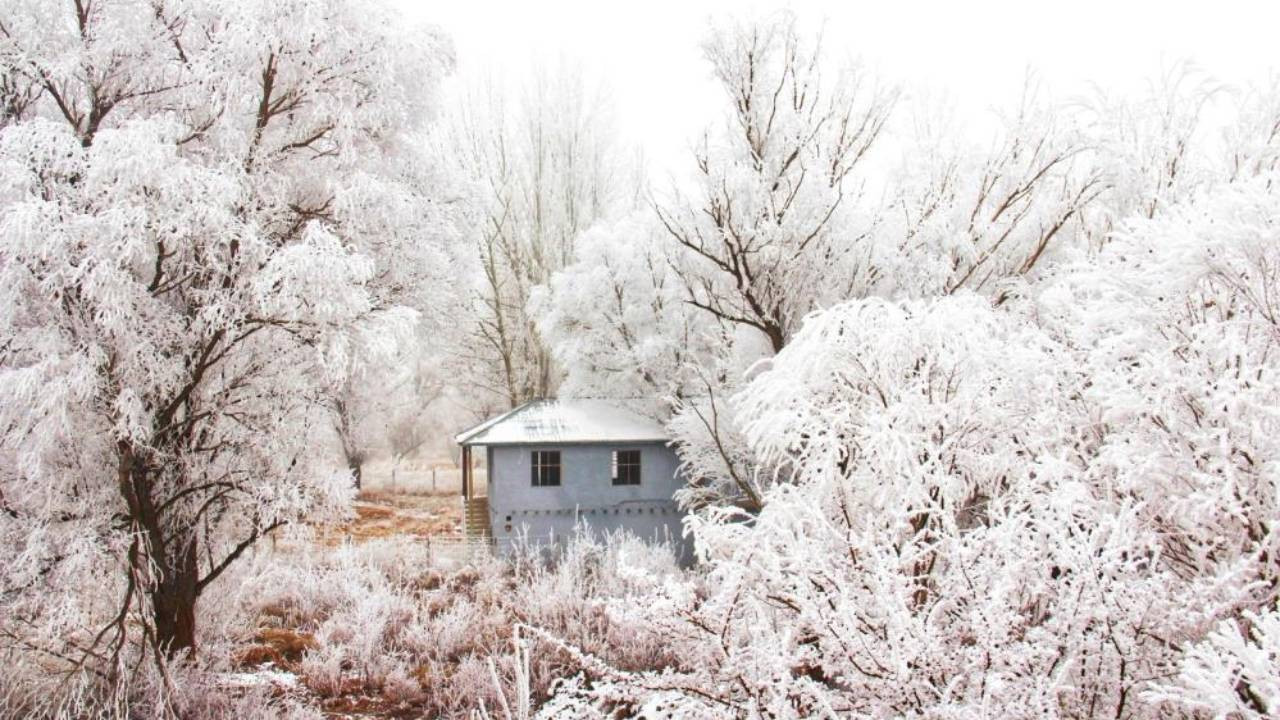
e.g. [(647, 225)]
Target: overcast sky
[(977, 53)]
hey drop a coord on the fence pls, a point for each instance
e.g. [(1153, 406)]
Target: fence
[(382, 476), (460, 549)]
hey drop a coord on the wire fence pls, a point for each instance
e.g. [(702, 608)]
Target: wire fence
[(456, 548), (416, 479)]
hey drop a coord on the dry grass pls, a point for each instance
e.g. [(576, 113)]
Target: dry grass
[(371, 628), (423, 476), (281, 647), (385, 515)]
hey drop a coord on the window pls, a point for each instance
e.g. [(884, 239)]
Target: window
[(546, 468), (626, 467)]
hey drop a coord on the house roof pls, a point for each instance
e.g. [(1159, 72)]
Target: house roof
[(565, 421)]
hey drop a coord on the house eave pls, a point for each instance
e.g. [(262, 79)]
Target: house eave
[(568, 441), (464, 437)]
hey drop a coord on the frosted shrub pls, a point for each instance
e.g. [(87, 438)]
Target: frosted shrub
[(1232, 672), (1062, 506), (376, 626)]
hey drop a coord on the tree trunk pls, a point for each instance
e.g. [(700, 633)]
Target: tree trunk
[(173, 560), (777, 338), (356, 466), (173, 604)]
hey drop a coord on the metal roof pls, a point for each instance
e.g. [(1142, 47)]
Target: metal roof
[(565, 421)]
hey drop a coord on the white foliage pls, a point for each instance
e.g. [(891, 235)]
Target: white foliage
[(1042, 509), (205, 206), (618, 319), (1231, 672)]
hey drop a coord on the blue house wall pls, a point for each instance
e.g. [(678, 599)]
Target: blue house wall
[(520, 511)]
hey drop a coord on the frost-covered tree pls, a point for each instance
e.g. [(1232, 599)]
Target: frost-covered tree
[(201, 202), (618, 320), (960, 215), (778, 225), (879, 579), (1184, 134), (1060, 505), (409, 422), (545, 167), (1181, 350), (676, 307), (1252, 141), (363, 390), (410, 222), (1234, 672), (1155, 145), (764, 236)]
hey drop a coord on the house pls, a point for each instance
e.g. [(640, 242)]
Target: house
[(553, 464)]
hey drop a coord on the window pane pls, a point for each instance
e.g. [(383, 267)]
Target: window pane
[(626, 467), (545, 467)]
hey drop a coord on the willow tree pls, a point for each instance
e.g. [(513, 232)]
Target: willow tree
[(195, 199)]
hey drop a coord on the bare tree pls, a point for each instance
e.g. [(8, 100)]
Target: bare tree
[(546, 168), (972, 218), (764, 235)]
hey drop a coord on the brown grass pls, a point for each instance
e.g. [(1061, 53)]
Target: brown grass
[(289, 643), (382, 515), (256, 655), (281, 646), (378, 515)]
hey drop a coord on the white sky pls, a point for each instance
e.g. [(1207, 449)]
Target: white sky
[(976, 53)]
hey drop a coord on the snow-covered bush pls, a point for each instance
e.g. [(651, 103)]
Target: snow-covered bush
[(1231, 673), (1045, 508), (378, 625)]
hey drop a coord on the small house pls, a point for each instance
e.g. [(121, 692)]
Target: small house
[(554, 464)]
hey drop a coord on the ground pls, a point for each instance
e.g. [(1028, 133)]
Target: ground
[(383, 514), (414, 499), (419, 498)]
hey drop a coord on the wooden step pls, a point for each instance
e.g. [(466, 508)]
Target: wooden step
[(475, 518)]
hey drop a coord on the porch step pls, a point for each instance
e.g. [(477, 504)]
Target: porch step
[(475, 518)]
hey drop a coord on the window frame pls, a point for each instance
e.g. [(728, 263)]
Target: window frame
[(544, 467), (633, 468)]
